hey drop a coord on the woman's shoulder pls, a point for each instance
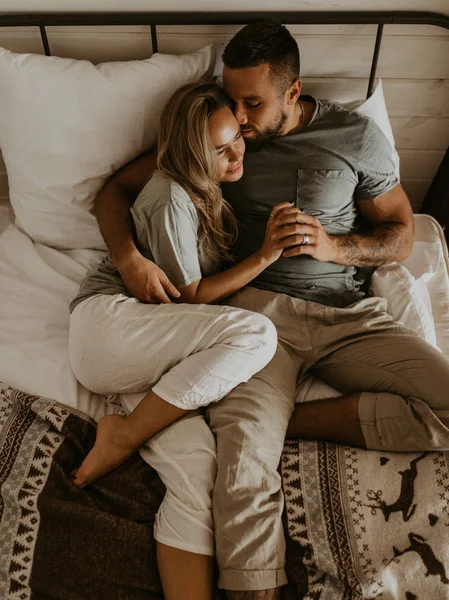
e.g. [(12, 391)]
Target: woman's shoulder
[(161, 191)]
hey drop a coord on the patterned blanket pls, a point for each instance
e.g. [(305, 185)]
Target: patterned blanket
[(368, 524), (57, 542), (360, 524)]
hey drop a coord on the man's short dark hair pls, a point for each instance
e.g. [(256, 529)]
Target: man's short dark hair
[(265, 42)]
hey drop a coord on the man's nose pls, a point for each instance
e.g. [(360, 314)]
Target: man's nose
[(240, 114)]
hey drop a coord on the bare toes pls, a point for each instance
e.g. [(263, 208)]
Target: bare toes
[(75, 478)]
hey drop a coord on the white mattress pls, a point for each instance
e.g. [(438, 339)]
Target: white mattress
[(37, 284)]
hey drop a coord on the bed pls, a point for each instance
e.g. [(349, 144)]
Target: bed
[(359, 524)]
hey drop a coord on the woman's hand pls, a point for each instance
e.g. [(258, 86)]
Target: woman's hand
[(221, 285), (146, 281), (282, 217)]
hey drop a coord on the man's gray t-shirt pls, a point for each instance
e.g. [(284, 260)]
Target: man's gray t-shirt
[(166, 227), (339, 159)]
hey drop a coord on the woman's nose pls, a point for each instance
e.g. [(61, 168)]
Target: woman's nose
[(235, 155)]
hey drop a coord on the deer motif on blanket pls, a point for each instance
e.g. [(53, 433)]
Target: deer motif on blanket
[(404, 503), (433, 565)]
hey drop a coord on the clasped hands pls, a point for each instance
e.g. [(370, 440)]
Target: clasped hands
[(298, 233)]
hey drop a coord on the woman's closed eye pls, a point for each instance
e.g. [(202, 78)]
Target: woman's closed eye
[(223, 150)]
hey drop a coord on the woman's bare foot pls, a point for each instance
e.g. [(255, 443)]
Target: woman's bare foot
[(110, 450)]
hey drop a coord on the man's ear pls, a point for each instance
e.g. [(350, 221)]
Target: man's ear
[(294, 91)]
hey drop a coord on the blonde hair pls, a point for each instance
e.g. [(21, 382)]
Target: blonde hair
[(187, 155)]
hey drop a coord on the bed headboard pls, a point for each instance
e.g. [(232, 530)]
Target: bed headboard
[(379, 18), (440, 208)]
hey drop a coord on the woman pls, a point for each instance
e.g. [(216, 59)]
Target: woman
[(179, 357)]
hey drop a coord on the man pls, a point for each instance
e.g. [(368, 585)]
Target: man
[(337, 167)]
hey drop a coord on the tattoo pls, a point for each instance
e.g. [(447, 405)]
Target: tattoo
[(385, 244)]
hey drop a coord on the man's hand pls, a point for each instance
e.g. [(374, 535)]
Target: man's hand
[(146, 281), (389, 239), (321, 246)]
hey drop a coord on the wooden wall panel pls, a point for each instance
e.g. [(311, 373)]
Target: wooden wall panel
[(416, 190), (26, 39), (422, 164), (98, 47), (423, 133), (404, 97)]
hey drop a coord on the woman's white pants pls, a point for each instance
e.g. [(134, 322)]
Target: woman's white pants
[(189, 355)]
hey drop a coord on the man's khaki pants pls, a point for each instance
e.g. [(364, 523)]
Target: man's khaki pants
[(404, 407)]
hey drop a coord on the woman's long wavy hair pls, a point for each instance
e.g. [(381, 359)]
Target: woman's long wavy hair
[(187, 155)]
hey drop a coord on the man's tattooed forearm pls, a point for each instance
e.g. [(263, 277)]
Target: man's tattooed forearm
[(384, 245)]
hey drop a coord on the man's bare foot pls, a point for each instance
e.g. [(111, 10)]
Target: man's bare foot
[(273, 594), (110, 450)]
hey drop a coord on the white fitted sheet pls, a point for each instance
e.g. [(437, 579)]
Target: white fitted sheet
[(36, 286)]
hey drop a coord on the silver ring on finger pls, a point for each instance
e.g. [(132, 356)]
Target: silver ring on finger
[(305, 240)]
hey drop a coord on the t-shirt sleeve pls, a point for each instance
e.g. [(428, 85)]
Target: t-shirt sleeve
[(170, 234), (376, 168)]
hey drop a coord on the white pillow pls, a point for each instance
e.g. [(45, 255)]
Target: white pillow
[(407, 298), (375, 108), (67, 125)]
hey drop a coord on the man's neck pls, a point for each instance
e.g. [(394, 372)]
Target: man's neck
[(299, 118)]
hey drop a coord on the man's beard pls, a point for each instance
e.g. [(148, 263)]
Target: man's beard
[(261, 139)]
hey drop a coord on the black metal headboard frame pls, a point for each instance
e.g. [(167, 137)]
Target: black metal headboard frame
[(379, 18)]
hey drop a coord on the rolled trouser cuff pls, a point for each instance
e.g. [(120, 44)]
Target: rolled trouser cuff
[(367, 417), (392, 423)]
